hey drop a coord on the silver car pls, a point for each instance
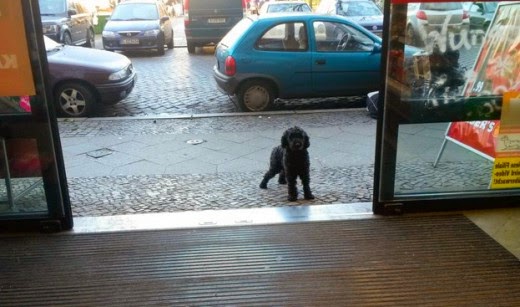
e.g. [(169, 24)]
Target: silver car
[(433, 23), (364, 12)]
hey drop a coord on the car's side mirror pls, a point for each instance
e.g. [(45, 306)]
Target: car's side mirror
[(72, 12)]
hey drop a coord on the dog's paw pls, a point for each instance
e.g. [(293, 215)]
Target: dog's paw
[(308, 196), (263, 185)]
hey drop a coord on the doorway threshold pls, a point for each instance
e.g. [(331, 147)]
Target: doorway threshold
[(221, 218)]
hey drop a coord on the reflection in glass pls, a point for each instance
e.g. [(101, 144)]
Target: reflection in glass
[(15, 104), (448, 71), (20, 170), (459, 169)]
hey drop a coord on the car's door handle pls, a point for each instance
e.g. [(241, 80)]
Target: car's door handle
[(321, 62)]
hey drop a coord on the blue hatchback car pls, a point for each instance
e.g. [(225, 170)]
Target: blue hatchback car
[(296, 56)]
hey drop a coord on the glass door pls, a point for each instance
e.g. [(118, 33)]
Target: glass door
[(33, 193), (449, 109)]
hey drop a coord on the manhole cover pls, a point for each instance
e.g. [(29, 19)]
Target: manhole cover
[(195, 142), (99, 153)]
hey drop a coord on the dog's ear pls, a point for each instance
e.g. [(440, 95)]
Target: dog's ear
[(306, 142), (284, 141)]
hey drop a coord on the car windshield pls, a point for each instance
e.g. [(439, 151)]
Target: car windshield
[(360, 8), (52, 7), (51, 45), (490, 6), (288, 7), (135, 11)]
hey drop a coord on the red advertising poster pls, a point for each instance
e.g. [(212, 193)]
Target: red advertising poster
[(477, 136), (497, 68)]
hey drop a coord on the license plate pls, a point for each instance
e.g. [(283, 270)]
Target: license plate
[(129, 41), (216, 20)]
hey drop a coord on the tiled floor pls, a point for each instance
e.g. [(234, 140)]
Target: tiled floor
[(501, 224)]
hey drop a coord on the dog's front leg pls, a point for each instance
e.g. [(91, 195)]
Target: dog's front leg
[(291, 187), (307, 194)]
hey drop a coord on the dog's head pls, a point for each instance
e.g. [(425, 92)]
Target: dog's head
[(295, 139)]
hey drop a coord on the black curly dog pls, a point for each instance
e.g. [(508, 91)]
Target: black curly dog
[(290, 160)]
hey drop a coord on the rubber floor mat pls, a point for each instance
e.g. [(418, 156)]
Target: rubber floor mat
[(439, 260)]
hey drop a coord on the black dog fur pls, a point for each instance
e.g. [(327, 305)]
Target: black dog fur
[(291, 160)]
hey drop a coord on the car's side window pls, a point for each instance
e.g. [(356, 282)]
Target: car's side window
[(339, 37), (289, 36)]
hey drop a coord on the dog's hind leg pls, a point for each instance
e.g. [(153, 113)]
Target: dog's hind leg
[(268, 175)]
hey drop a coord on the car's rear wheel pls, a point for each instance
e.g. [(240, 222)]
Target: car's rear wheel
[(256, 95), (171, 44), (74, 100), (191, 47), (91, 39), (66, 39)]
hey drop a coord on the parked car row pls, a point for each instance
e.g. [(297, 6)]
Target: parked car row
[(276, 54)]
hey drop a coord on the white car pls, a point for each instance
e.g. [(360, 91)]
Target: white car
[(283, 6)]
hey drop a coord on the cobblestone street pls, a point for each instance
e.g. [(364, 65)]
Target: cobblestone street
[(149, 165)]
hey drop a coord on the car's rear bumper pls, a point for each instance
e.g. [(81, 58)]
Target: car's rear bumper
[(450, 28), (202, 36), (226, 84), (115, 92)]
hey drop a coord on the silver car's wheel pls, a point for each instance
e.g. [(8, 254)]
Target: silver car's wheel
[(66, 39), (91, 39), (74, 100), (256, 95)]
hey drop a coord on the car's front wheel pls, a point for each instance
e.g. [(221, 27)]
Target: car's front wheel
[(160, 45), (256, 95), (74, 100), (91, 39), (191, 47), (171, 43)]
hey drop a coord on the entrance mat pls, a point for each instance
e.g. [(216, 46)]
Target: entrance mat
[(442, 260)]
